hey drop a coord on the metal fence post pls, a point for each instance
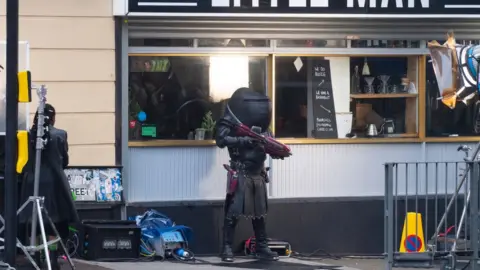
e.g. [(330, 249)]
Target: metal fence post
[(474, 215), (389, 218)]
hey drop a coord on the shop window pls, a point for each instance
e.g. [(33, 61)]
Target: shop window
[(160, 42), (178, 97), (291, 90), (345, 97), (384, 96), (235, 43), (445, 120), (311, 43), (412, 44)]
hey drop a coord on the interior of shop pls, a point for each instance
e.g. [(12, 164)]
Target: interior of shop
[(394, 95), (181, 94), (374, 98)]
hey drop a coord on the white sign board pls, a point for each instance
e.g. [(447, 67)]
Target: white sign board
[(95, 184), (23, 64), (83, 193)]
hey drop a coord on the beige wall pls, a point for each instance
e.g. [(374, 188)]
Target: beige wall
[(72, 52)]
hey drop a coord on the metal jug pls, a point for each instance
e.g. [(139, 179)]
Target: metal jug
[(388, 127), (372, 130)]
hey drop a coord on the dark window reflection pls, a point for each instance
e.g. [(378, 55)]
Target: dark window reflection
[(291, 112), (442, 121), (386, 44), (170, 96), (160, 42), (235, 43), (309, 43)]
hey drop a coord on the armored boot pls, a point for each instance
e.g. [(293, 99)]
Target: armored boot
[(262, 251), (228, 234)]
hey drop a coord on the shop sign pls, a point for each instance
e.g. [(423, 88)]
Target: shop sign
[(349, 8)]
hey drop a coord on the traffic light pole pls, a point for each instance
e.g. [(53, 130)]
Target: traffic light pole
[(11, 126)]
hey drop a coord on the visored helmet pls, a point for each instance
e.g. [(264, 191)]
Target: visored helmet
[(250, 108)]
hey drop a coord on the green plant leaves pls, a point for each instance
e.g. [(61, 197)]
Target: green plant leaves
[(208, 122)]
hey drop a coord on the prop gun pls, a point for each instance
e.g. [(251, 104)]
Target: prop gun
[(272, 147)]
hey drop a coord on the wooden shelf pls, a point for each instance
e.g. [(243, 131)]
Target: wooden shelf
[(399, 138), (371, 96), (171, 143)]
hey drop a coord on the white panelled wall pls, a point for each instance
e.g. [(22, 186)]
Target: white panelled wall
[(323, 170)]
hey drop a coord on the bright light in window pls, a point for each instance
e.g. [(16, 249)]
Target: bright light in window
[(227, 74)]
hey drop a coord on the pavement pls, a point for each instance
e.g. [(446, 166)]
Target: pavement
[(214, 263), (23, 264), (241, 263)]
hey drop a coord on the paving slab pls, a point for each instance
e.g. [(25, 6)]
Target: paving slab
[(23, 264), (215, 263)]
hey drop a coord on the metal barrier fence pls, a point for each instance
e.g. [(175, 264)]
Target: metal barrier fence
[(442, 205)]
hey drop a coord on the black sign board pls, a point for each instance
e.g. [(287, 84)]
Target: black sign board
[(320, 82), (414, 8)]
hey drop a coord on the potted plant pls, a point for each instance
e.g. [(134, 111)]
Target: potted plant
[(208, 125)]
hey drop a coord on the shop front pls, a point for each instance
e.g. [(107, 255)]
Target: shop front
[(351, 85)]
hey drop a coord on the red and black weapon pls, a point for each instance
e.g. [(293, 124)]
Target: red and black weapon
[(272, 147)]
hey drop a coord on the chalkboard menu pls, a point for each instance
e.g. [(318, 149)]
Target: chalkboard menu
[(324, 118)]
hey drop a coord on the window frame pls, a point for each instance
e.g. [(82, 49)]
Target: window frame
[(271, 53), (179, 143), (420, 121)]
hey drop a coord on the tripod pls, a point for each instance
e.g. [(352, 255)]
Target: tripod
[(39, 211), (468, 158)]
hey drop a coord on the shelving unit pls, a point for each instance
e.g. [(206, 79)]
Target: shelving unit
[(413, 117)]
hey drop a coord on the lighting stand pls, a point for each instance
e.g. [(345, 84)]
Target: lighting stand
[(39, 212), (468, 159)]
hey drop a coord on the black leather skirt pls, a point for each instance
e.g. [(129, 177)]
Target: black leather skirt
[(250, 198)]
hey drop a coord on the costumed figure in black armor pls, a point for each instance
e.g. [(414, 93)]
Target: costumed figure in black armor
[(244, 131)]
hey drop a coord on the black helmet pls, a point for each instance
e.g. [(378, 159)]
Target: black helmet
[(250, 108)]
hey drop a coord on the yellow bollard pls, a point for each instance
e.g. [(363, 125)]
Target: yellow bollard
[(22, 140), (412, 234)]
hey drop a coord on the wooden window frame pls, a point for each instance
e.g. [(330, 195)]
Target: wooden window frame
[(420, 103)]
